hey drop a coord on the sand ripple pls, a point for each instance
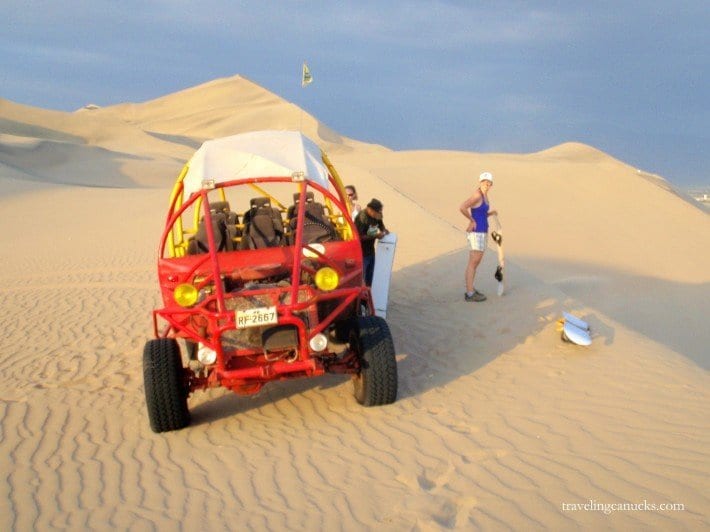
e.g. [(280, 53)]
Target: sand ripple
[(498, 422)]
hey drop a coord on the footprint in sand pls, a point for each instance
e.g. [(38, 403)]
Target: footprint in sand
[(425, 483), (454, 513), (430, 480)]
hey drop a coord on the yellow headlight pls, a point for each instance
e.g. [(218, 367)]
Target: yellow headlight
[(327, 279), (185, 295)]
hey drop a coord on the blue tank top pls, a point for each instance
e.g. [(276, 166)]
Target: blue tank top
[(480, 216)]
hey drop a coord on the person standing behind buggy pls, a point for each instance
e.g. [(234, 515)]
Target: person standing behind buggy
[(352, 198), (370, 227)]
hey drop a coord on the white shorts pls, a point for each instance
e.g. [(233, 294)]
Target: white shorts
[(477, 241)]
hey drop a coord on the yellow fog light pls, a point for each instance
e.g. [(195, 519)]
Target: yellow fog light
[(185, 295), (327, 278)]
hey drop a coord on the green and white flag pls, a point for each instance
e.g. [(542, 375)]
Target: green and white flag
[(306, 79)]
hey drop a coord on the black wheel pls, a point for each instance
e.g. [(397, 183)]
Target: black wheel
[(376, 384), (165, 387)]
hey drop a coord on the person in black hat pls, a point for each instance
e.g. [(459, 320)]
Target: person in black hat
[(370, 227)]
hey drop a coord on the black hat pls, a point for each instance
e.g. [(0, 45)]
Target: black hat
[(375, 205)]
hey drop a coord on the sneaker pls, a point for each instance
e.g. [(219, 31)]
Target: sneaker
[(476, 296)]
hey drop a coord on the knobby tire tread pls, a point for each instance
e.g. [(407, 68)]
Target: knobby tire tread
[(379, 372), (166, 396)]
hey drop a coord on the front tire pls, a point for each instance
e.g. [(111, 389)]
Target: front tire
[(165, 387), (376, 384)]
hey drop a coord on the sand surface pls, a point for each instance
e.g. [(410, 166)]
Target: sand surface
[(498, 424)]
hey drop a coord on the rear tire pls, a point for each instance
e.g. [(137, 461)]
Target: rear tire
[(165, 386), (376, 384)]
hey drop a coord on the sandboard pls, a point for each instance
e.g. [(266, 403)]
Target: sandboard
[(497, 236), (574, 330), (574, 320), (384, 259)]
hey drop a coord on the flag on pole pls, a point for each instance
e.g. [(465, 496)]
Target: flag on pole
[(306, 78)]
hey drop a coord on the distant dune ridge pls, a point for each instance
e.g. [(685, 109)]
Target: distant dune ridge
[(499, 424)]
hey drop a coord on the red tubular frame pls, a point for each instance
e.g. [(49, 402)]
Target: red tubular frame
[(249, 377)]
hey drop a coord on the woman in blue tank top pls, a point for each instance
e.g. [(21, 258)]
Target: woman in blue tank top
[(477, 209), (480, 216)]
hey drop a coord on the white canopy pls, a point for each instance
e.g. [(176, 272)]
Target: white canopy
[(255, 154)]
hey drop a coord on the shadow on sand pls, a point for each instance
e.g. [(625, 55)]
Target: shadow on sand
[(439, 337), (670, 313), (230, 404)]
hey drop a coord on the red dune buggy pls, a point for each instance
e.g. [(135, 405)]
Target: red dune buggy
[(260, 270)]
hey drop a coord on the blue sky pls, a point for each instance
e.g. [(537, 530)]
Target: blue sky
[(628, 77)]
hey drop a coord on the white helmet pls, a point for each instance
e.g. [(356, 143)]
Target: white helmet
[(486, 176)]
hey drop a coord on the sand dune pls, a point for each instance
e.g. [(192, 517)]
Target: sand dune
[(498, 424), (221, 107)]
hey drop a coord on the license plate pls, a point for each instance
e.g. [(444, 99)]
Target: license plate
[(256, 317)]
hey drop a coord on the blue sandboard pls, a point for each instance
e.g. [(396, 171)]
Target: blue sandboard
[(384, 259), (572, 333), (574, 329), (574, 320)]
